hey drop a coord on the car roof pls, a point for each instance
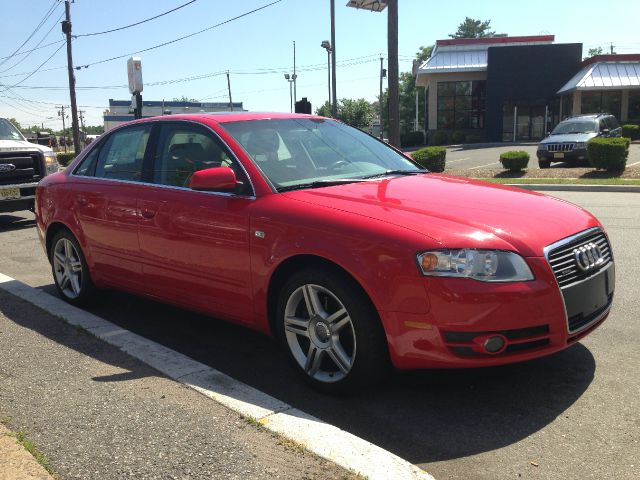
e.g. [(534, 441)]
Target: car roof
[(224, 117), (591, 116)]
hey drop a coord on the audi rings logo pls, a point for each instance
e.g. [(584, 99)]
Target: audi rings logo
[(588, 256), (7, 167)]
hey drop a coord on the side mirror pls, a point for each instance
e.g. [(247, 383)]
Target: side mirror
[(219, 179)]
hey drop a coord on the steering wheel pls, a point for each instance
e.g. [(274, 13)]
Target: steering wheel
[(339, 164)]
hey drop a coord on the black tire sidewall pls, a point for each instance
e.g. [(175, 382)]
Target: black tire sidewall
[(371, 363)]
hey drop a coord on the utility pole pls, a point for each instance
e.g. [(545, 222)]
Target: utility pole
[(295, 98), (229, 88), (334, 104), (382, 75), (81, 112), (392, 45), (66, 29), (64, 128)]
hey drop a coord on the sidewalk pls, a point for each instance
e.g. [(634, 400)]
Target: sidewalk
[(16, 462), (95, 412)]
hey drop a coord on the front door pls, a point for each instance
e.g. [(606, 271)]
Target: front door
[(195, 245)]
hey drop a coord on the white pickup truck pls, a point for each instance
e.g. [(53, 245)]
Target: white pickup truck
[(22, 165)]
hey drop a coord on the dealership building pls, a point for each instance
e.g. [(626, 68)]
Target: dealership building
[(121, 111), (518, 88)]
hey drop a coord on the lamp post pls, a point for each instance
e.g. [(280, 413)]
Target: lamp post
[(291, 79), (326, 44)]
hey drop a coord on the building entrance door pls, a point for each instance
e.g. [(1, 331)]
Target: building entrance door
[(529, 121)]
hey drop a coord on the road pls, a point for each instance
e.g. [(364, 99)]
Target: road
[(474, 157), (569, 416)]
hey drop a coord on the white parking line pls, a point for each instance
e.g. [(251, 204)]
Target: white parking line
[(317, 436), (487, 165), (632, 164)]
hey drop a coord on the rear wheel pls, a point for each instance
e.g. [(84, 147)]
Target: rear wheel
[(331, 331), (544, 163), (70, 271)]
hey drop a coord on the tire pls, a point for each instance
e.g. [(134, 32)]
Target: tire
[(341, 347), (544, 163), (69, 268)]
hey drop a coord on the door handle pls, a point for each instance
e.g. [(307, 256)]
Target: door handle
[(147, 213), (83, 201)]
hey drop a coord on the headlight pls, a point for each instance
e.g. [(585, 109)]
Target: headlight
[(483, 265), (580, 145), (51, 162), (542, 146)]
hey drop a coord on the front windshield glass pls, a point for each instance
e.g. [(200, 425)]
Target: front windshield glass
[(298, 152), (8, 131), (575, 126)]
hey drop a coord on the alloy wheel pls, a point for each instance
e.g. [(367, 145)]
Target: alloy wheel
[(67, 268)]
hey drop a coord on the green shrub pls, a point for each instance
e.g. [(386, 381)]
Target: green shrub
[(608, 153), (631, 131), (458, 137), (514, 160), (431, 158), (65, 158), (440, 138), (412, 139)]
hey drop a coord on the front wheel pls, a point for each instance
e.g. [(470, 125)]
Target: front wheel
[(544, 163), (70, 271), (331, 331)]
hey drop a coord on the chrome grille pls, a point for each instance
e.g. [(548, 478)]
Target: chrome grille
[(560, 147), (28, 167), (563, 262)]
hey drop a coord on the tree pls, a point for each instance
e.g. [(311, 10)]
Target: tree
[(185, 99), (423, 53), (94, 130), (472, 28), (357, 113), (15, 123)]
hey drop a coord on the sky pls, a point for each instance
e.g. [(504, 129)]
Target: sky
[(256, 49)]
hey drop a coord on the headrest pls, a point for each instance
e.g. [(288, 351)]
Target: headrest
[(262, 142)]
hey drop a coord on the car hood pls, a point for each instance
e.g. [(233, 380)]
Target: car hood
[(457, 212), (21, 145), (569, 138)]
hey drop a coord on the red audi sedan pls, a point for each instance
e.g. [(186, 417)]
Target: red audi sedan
[(342, 247)]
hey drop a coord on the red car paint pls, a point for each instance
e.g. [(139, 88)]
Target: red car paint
[(201, 251)]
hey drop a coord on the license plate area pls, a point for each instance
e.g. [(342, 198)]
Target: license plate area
[(9, 193), (558, 155), (588, 299)]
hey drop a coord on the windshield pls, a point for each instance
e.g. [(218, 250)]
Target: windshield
[(8, 131), (575, 126), (303, 152)]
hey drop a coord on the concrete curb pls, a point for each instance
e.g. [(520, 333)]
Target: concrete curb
[(317, 436), (548, 187)]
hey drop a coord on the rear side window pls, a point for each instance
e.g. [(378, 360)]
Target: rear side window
[(612, 123), (122, 155), (88, 164)]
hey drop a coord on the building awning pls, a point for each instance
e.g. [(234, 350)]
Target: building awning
[(605, 75), (455, 61)]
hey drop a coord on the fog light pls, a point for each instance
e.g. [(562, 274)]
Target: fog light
[(494, 344)]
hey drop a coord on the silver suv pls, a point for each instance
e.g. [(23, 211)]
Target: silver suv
[(568, 141)]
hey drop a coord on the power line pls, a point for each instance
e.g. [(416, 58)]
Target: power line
[(35, 71), (37, 45), (31, 50), (137, 23), (44, 19)]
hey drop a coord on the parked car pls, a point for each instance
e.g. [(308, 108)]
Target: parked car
[(568, 141), (339, 245), (22, 165)]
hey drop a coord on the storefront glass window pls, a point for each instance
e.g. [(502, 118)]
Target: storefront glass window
[(634, 106), (602, 102), (461, 105)]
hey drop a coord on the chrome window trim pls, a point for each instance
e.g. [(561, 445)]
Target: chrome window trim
[(225, 144), (562, 242)]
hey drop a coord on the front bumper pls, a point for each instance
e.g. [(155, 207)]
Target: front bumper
[(533, 317), (24, 202), (575, 155)]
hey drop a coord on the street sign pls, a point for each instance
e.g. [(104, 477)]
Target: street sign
[(373, 5), (134, 74)]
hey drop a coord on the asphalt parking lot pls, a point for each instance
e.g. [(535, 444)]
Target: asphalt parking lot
[(569, 416), (488, 156)]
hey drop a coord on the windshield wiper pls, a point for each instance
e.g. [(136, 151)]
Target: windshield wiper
[(320, 183), (397, 172)]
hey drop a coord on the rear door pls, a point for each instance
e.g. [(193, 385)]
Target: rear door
[(105, 197), (195, 245)]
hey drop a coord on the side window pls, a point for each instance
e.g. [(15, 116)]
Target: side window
[(86, 167), (122, 155), (185, 149), (602, 125), (612, 123)]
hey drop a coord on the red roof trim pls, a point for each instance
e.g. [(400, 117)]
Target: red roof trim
[(626, 57), (496, 40)]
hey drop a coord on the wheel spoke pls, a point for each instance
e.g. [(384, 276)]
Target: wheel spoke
[(339, 357), (314, 359), (338, 316), (59, 257), (296, 325), (75, 284), (312, 301), (67, 249), (64, 281), (76, 266)]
